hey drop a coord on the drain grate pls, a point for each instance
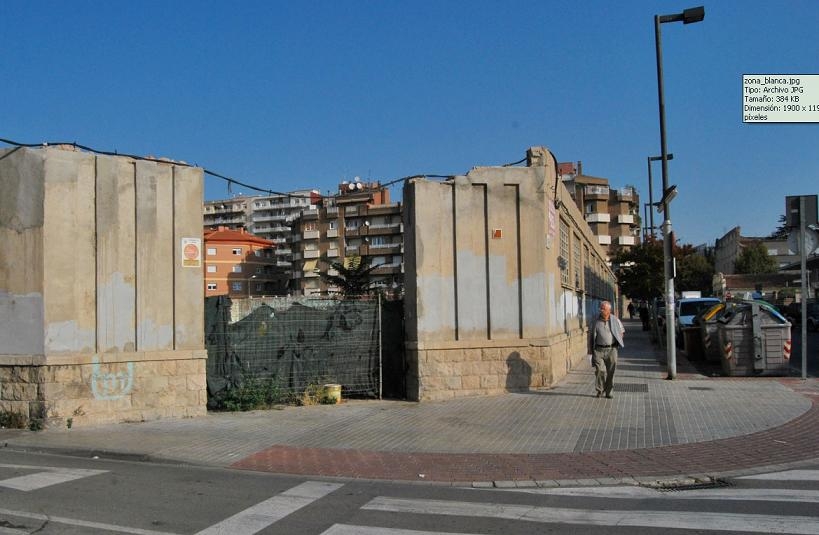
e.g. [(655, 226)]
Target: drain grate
[(700, 388), (630, 387), (714, 483)]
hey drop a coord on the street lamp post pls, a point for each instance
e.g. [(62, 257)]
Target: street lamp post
[(691, 15), (651, 187)]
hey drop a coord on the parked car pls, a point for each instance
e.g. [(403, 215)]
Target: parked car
[(794, 314), (686, 310)]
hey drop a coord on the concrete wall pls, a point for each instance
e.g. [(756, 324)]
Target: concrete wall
[(486, 311), (100, 309)]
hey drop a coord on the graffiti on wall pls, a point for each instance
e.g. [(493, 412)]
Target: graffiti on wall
[(111, 385)]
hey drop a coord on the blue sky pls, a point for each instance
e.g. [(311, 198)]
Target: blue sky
[(289, 95)]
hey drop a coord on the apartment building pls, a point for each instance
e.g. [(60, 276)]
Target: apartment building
[(612, 214), (267, 216), (241, 265), (358, 221)]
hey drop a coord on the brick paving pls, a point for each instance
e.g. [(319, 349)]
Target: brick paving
[(652, 429), (789, 443)]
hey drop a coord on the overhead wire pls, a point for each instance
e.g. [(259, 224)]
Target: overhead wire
[(230, 181)]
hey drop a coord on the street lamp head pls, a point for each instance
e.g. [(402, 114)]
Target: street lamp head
[(693, 14), (689, 16)]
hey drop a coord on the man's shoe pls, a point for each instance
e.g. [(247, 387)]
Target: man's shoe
[(609, 396)]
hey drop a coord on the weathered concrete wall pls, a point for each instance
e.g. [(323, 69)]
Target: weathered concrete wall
[(100, 311), (487, 311)]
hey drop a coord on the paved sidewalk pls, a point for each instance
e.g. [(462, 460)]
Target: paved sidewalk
[(654, 429)]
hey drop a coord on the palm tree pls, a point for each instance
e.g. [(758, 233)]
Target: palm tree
[(353, 277)]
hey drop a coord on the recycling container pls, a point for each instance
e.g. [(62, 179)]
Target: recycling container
[(708, 333), (754, 339)]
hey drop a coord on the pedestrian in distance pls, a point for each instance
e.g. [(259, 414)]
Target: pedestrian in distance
[(631, 311), (644, 315), (605, 338)]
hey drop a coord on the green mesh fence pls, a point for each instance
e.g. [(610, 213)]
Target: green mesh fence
[(293, 344)]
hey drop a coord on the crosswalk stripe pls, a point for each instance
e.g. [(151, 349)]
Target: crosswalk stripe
[(46, 477), (259, 516), (800, 525), (787, 475), (767, 495), (81, 523), (345, 529)]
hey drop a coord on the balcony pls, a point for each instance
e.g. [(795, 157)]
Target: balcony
[(626, 240), (332, 233), (351, 250), (387, 269), (310, 235), (312, 253), (332, 253), (596, 192), (269, 217), (598, 218), (221, 219), (604, 239), (381, 230), (627, 219), (627, 194)]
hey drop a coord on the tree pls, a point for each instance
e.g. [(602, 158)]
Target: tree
[(694, 271), (641, 276), (754, 259), (782, 231), (353, 277), (640, 270)]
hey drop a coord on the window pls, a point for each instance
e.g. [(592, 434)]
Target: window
[(312, 225), (211, 286), (211, 268), (576, 262), (211, 251), (331, 225), (259, 269), (237, 251), (563, 261), (378, 241), (237, 269), (236, 286)]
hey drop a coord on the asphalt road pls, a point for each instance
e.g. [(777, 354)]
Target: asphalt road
[(49, 494)]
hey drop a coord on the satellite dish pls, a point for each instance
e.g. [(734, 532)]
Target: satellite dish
[(351, 186), (357, 179), (359, 185)]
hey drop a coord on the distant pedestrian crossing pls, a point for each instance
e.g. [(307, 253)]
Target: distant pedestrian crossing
[(780, 502), (619, 511)]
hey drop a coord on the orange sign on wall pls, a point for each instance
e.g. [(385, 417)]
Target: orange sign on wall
[(191, 252)]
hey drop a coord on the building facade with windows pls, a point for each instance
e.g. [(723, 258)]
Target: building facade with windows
[(359, 221), (612, 214), (267, 216), (241, 265)]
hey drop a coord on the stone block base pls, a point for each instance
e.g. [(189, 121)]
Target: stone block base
[(459, 369), (99, 389)]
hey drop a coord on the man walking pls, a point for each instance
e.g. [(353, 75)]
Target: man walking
[(606, 336)]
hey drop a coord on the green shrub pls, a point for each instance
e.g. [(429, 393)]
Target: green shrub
[(13, 420)]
